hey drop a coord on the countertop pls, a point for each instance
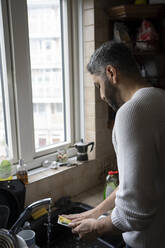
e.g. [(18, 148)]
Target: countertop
[(91, 197)]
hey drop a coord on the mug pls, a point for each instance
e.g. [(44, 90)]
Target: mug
[(29, 237)]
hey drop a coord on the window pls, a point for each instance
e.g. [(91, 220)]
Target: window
[(8, 146), (37, 115), (49, 58), (41, 108), (3, 138), (58, 107), (42, 142)]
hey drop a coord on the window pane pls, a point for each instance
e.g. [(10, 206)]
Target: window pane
[(45, 38), (2, 121)]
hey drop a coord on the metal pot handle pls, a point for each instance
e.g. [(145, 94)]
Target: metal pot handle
[(92, 144)]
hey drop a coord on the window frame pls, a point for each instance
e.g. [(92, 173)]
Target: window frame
[(8, 83), (19, 77)]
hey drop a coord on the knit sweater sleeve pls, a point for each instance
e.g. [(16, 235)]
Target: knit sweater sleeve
[(136, 199)]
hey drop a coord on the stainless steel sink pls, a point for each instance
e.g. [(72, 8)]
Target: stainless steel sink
[(62, 237)]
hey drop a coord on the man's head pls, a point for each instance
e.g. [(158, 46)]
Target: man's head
[(111, 65)]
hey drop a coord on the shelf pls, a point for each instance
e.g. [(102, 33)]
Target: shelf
[(146, 53), (131, 11), (153, 79)]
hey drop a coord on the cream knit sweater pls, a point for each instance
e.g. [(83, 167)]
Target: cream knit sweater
[(139, 142)]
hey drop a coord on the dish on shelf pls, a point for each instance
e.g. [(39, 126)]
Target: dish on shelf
[(146, 46)]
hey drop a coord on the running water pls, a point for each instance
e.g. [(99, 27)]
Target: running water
[(49, 226)]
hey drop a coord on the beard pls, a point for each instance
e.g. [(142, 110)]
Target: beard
[(112, 95)]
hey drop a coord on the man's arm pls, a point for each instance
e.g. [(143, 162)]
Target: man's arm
[(103, 207), (107, 204)]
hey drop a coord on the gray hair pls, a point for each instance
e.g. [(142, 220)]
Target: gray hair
[(116, 54)]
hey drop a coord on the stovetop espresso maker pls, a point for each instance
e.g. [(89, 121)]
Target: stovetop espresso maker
[(82, 150)]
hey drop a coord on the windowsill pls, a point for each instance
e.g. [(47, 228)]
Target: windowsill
[(42, 172), (64, 181)]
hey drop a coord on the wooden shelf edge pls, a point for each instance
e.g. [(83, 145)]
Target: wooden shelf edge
[(132, 11)]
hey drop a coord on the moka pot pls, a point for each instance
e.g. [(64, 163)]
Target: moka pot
[(82, 150)]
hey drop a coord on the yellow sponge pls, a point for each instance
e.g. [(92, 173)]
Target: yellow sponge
[(63, 221), (38, 213)]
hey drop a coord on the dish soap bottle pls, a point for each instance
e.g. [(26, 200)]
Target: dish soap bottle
[(22, 173), (5, 166), (5, 170), (111, 183)]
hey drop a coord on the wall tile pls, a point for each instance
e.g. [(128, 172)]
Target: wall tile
[(90, 136), (88, 17), (90, 110), (89, 93), (88, 80), (90, 123), (89, 48), (89, 33), (86, 61), (88, 4)]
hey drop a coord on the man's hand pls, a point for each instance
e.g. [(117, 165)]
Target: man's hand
[(91, 228), (85, 215), (103, 207), (85, 228)]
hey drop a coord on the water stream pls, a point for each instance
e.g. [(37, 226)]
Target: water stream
[(49, 226)]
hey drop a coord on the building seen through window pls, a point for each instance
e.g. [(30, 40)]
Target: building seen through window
[(2, 119), (44, 20)]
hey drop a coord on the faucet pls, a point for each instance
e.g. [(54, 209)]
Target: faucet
[(27, 213)]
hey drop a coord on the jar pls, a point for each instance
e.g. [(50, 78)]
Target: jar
[(112, 182), (22, 173)]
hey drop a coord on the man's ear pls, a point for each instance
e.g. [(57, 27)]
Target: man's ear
[(111, 73)]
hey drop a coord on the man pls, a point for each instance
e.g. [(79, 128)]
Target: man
[(139, 140)]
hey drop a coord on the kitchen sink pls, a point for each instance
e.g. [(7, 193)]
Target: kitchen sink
[(62, 237)]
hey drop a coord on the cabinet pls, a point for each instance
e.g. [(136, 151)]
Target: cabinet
[(151, 61)]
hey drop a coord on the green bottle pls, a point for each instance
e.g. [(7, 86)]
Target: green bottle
[(112, 182), (5, 170)]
